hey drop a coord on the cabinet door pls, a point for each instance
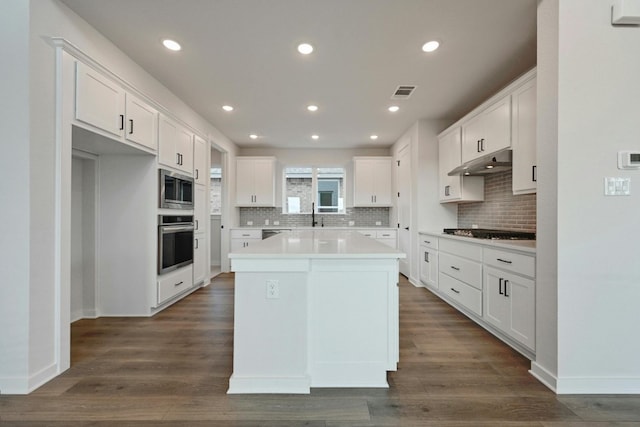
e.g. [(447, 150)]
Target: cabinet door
[(264, 182), (524, 139), (200, 155), (429, 266), (496, 305), (472, 133), (244, 182), (167, 135), (99, 101), (497, 127), (141, 122), (199, 258), (449, 157), (184, 147), (363, 179), (200, 209), (382, 182)]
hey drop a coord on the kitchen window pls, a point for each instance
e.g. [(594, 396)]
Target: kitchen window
[(307, 187)]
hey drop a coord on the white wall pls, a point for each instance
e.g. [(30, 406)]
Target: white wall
[(14, 188), (598, 273), (77, 259)]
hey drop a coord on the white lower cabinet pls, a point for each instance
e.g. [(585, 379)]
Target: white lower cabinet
[(243, 238), (429, 260), (494, 286), (174, 283), (389, 236), (199, 258)]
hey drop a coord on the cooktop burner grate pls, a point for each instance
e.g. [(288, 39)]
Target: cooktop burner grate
[(483, 233)]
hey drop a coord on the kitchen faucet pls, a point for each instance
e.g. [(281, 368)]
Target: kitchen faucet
[(313, 215)]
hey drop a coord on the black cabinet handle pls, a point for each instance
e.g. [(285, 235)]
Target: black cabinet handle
[(455, 268), (506, 261), (482, 144), (427, 242), (406, 228), (426, 256), (121, 121), (478, 146), (197, 174), (131, 126), (178, 284), (455, 290), (197, 226), (447, 190), (197, 245), (534, 173), (506, 284), (500, 286)]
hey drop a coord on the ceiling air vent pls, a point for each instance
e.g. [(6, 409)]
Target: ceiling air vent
[(403, 92)]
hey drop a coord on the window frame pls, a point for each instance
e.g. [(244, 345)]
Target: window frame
[(314, 189)]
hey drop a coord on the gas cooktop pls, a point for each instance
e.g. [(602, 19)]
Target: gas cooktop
[(483, 233)]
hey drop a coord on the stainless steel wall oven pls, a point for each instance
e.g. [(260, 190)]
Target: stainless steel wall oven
[(176, 190), (175, 242)]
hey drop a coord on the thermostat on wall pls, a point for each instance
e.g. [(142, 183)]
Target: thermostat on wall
[(628, 159)]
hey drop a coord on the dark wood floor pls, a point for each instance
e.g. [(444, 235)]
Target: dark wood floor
[(173, 370)]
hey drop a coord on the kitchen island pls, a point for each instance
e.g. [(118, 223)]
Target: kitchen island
[(314, 308)]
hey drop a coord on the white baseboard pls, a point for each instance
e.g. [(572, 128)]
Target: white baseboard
[(25, 385), (598, 385), (271, 385), (544, 376)]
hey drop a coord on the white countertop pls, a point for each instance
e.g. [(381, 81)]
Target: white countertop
[(519, 245), (318, 243)]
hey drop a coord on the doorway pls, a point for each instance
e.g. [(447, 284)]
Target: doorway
[(83, 236), (215, 210), (403, 179)]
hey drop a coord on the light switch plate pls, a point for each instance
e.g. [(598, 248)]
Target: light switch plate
[(617, 186)]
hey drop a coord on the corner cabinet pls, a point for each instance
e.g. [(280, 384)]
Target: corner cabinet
[(175, 146), (255, 181), (487, 132), (525, 170), (372, 181), (105, 106), (455, 188)]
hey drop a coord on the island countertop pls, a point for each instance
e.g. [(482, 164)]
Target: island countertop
[(317, 244)]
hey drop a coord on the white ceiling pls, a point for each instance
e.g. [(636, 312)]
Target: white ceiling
[(243, 53)]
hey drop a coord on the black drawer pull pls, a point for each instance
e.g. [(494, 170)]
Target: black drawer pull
[(500, 286), (427, 242), (506, 261), (178, 284), (455, 268), (506, 283), (455, 290)]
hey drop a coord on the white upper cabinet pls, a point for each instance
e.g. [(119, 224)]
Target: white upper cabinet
[(372, 181), (141, 123), (455, 188), (200, 152), (104, 105), (525, 173), (488, 132), (255, 181), (175, 146)]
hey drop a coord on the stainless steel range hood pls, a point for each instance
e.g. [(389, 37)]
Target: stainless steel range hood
[(492, 163)]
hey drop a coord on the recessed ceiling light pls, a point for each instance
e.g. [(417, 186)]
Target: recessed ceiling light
[(227, 108), (315, 137), (171, 44), (305, 48), (430, 46), (312, 107), (253, 136), (374, 137), (394, 108)]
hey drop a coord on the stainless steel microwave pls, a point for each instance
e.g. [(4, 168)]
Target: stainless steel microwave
[(176, 190)]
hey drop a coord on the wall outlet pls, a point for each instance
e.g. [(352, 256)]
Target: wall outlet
[(351, 223), (273, 289), (249, 222), (266, 222), (378, 222), (276, 222)]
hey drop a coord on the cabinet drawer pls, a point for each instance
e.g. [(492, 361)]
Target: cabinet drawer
[(466, 295), (368, 233), (429, 241), (174, 283), (246, 234), (517, 263), (462, 249), (462, 269), (385, 234)]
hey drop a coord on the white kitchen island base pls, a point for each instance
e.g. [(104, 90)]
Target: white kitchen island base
[(314, 309)]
